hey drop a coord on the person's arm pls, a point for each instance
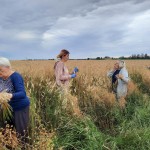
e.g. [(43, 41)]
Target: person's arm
[(60, 72), (110, 73), (18, 84), (124, 76), (75, 70)]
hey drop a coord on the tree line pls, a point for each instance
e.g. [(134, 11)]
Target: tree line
[(133, 56)]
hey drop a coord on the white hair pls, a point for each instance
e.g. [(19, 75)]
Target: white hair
[(122, 64), (4, 62)]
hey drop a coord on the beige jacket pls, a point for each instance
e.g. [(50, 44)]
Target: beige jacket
[(62, 74)]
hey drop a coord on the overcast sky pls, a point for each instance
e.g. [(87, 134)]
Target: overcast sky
[(87, 28)]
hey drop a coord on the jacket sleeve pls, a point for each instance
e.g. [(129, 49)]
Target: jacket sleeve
[(18, 84), (59, 71), (110, 73), (125, 76)]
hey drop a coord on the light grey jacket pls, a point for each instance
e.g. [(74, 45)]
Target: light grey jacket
[(122, 86), (110, 73)]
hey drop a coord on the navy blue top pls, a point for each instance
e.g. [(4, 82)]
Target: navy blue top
[(15, 85), (114, 76)]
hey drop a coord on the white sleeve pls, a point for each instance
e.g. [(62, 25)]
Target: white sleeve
[(125, 76), (110, 73)]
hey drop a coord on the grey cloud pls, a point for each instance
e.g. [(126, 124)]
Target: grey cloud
[(39, 27)]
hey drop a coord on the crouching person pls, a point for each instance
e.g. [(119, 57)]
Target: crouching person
[(12, 83), (122, 86)]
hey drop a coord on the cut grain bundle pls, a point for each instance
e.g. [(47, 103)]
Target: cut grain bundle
[(4, 106)]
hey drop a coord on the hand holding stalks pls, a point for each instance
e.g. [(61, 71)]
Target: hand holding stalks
[(5, 97), (6, 108)]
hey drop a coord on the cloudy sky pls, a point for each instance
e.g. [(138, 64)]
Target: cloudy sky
[(87, 28)]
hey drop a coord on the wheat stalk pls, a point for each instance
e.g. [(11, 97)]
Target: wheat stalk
[(5, 107)]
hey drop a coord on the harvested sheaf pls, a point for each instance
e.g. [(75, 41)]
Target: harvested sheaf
[(5, 107)]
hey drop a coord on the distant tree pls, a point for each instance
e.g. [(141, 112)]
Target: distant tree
[(107, 57), (146, 56), (133, 56), (138, 56), (122, 57), (98, 58), (142, 56)]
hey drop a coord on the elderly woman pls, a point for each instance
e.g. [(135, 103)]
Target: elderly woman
[(112, 73), (61, 71), (12, 83), (123, 80)]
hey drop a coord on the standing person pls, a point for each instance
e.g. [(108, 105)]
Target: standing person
[(12, 83), (123, 80), (62, 80), (112, 73), (61, 71)]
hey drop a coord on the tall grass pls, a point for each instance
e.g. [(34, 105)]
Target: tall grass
[(92, 119)]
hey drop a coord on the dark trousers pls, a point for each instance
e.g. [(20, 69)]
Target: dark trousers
[(21, 120)]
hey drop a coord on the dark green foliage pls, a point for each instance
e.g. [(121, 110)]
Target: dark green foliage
[(78, 133)]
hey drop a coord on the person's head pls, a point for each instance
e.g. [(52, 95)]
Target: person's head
[(121, 64), (5, 67), (116, 65), (64, 55)]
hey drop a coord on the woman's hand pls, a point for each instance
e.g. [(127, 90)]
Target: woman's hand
[(5, 97), (76, 70), (119, 76), (73, 75), (10, 95)]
